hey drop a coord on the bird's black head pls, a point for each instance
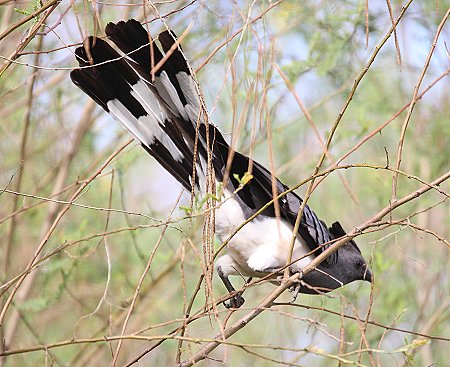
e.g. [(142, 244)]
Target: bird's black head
[(350, 266)]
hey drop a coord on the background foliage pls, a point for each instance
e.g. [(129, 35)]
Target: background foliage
[(86, 288)]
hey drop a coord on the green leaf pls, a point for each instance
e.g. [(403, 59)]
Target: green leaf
[(186, 209), (21, 11), (244, 180)]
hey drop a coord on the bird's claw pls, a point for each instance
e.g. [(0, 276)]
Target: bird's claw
[(295, 289), (235, 302)]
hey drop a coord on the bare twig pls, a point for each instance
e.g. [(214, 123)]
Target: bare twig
[(53, 227), (413, 104)]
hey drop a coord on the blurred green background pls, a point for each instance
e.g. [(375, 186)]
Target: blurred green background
[(52, 138)]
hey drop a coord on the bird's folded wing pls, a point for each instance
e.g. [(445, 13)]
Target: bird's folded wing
[(258, 192)]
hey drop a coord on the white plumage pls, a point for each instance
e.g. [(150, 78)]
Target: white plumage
[(261, 244)]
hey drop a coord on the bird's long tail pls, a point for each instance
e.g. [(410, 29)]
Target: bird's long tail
[(153, 95)]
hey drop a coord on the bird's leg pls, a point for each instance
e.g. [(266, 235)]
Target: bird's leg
[(237, 300), (294, 288)]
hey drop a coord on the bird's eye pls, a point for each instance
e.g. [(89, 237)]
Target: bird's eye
[(359, 264)]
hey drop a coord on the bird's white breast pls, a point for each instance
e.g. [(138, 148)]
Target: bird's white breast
[(260, 244)]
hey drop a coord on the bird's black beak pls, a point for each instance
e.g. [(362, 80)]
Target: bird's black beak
[(368, 274)]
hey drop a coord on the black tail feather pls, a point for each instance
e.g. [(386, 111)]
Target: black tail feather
[(108, 79), (133, 40), (161, 113)]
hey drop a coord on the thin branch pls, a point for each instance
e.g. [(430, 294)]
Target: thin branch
[(53, 227), (413, 103)]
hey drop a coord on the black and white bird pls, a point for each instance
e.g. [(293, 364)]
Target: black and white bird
[(161, 109)]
